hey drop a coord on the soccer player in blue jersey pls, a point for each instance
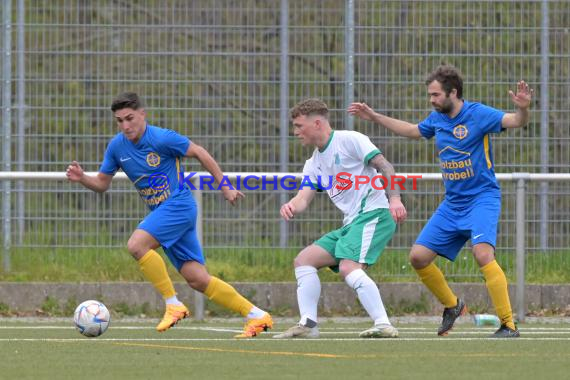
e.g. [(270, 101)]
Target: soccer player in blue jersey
[(472, 201), (150, 156)]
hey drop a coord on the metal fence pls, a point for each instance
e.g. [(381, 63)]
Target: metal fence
[(225, 73)]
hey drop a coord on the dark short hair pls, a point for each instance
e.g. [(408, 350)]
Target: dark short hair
[(126, 100), (449, 77), (308, 107)]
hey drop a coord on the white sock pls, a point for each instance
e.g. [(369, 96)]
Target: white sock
[(368, 295), (255, 313), (173, 301), (308, 292)]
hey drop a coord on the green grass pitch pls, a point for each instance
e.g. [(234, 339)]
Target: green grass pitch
[(133, 350)]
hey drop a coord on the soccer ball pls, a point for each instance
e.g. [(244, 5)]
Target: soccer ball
[(91, 318)]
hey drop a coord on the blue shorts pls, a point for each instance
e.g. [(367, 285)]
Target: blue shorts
[(451, 226), (173, 225)]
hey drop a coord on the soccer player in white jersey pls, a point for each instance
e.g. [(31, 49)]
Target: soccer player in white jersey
[(340, 158)]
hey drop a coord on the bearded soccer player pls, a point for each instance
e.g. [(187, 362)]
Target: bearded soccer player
[(472, 201), (150, 156)]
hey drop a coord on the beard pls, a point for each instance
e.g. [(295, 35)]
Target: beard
[(446, 107)]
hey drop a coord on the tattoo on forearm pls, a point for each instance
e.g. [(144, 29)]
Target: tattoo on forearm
[(380, 163)]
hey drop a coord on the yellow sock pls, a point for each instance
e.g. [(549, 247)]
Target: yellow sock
[(497, 286), (225, 295), (154, 270), (433, 278)]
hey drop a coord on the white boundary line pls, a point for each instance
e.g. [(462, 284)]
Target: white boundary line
[(446, 339), (209, 328), (473, 335), (455, 332), (325, 330), (216, 329)]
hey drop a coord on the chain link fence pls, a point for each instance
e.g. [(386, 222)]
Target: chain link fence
[(218, 71)]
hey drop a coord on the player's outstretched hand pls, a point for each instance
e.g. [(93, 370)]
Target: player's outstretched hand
[(361, 110), (232, 195), (287, 211), (74, 172), (397, 210), (523, 96)]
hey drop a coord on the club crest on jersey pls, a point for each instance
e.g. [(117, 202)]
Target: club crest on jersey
[(460, 132), (336, 159), (153, 159)]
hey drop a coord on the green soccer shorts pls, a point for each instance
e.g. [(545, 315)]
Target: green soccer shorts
[(362, 240)]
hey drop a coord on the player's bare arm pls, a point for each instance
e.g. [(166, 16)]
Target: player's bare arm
[(99, 183), (298, 204), (397, 209), (521, 99), (399, 127), (208, 163)]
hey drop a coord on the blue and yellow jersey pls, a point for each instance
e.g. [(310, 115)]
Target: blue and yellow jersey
[(464, 148), (152, 164)]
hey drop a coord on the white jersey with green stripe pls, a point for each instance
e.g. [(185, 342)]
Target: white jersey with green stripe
[(336, 167)]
